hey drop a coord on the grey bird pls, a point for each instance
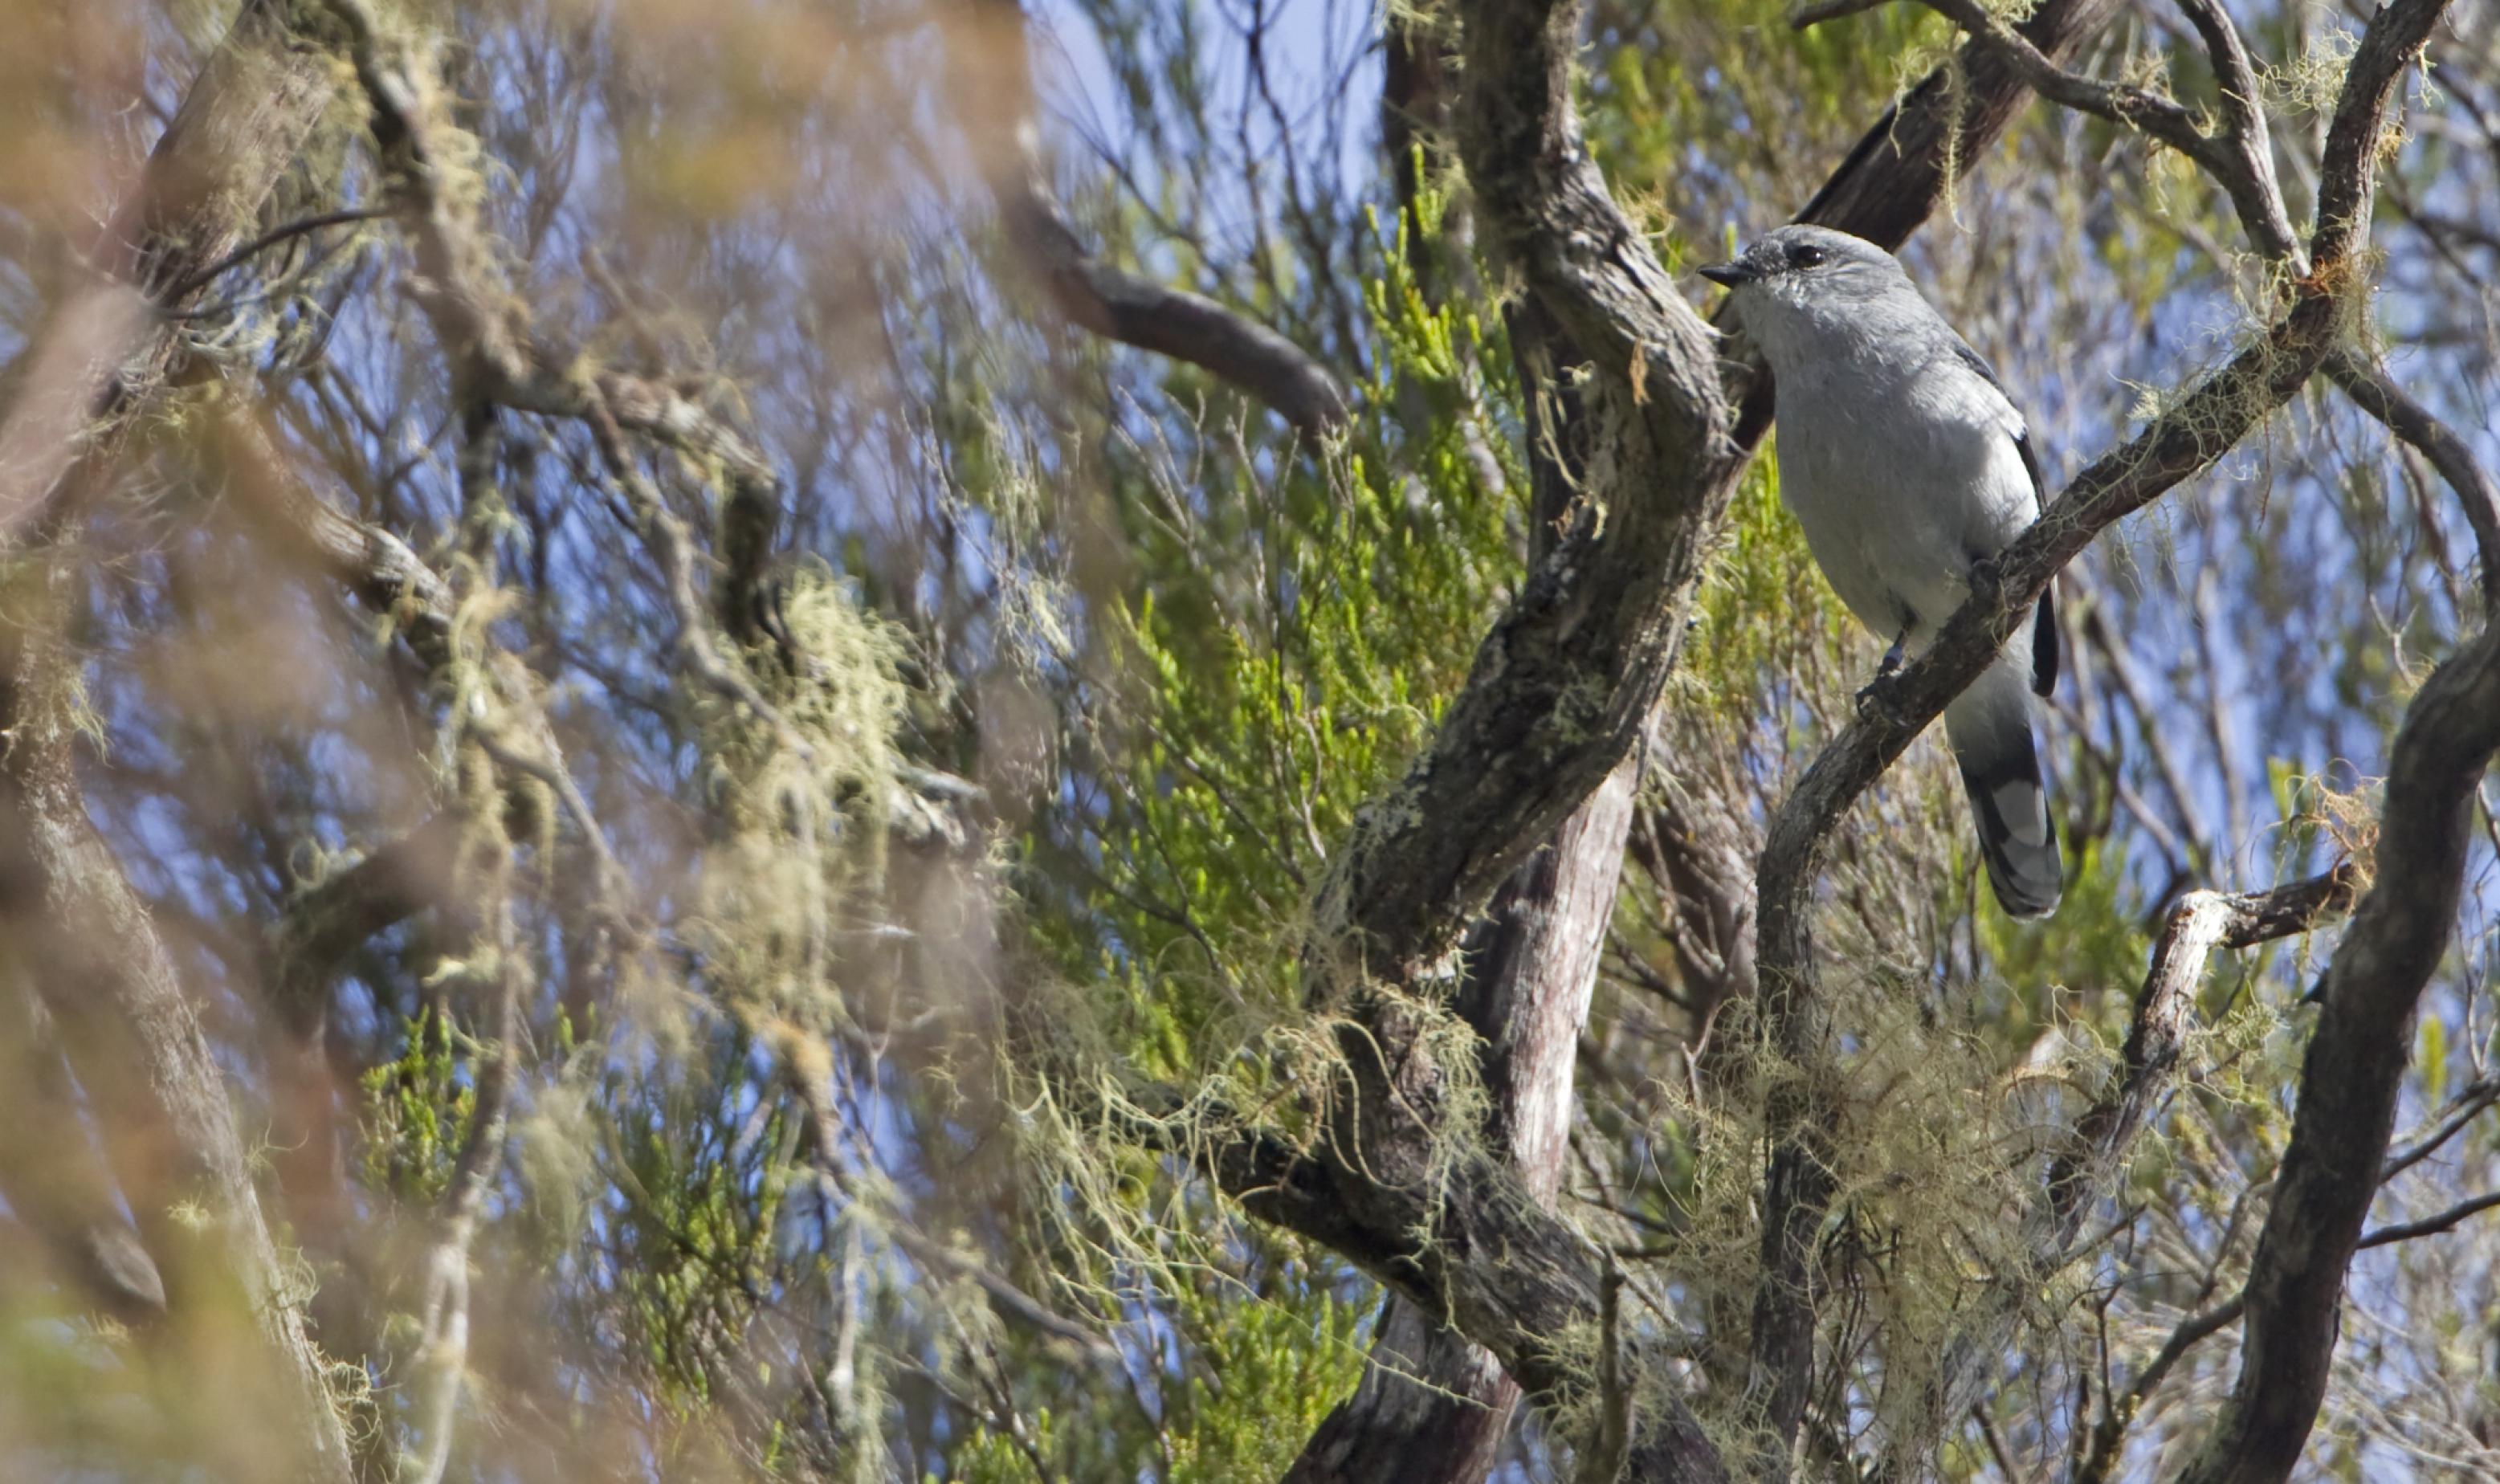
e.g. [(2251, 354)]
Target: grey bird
[(1906, 464)]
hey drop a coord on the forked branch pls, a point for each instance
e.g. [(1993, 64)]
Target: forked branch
[(2198, 429)]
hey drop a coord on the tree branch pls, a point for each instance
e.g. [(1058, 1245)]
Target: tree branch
[(65, 905), (1091, 294), (2356, 1059), (2428, 1226), (192, 283), (1510, 1276), (2239, 160), (1891, 181), (1892, 178), (2204, 424), (2201, 922), (2109, 1431), (442, 1355), (1562, 685), (1544, 194), (2246, 142), (2093, 1155), (2376, 393)]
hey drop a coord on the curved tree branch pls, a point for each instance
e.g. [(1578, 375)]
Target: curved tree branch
[(2084, 1171), (1560, 693), (2092, 1157), (1091, 294), (2197, 430), (1562, 685), (1877, 190), (2239, 158), (1893, 179), (2357, 1060)]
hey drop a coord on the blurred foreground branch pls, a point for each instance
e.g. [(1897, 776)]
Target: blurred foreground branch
[(81, 938)]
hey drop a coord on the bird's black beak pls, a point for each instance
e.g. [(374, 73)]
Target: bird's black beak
[(1730, 274)]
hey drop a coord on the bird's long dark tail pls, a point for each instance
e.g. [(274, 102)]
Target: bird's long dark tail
[(1990, 728)]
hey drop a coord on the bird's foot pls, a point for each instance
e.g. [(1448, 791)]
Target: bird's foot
[(1987, 577)]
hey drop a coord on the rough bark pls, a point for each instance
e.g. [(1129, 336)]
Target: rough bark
[(1507, 1274), (1447, 1427), (1562, 685), (1432, 1405), (2353, 1070), (2203, 425), (1557, 700), (1433, 1408)]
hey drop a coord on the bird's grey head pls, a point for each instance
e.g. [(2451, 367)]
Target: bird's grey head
[(1813, 291)]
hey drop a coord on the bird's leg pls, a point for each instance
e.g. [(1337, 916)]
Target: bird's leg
[(1986, 576), (1883, 671)]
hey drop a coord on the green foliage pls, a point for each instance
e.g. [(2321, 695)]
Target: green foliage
[(1269, 1366), (1281, 647), (697, 1245), (1263, 1368), (795, 1082), (2095, 946), (417, 1112), (1761, 573), (1666, 77), (1286, 644)]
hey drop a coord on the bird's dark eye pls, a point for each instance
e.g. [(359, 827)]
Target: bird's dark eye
[(1806, 255)]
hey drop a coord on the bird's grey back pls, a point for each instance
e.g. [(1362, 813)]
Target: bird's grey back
[(1905, 463)]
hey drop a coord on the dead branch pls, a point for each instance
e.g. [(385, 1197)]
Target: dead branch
[(1108, 302)]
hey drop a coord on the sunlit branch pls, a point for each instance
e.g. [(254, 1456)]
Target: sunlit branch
[(2197, 429)]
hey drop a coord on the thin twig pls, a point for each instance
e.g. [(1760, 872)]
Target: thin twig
[(2111, 1430), (266, 240), (1604, 1463), (2461, 1111), (2376, 393), (2444, 1221)]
